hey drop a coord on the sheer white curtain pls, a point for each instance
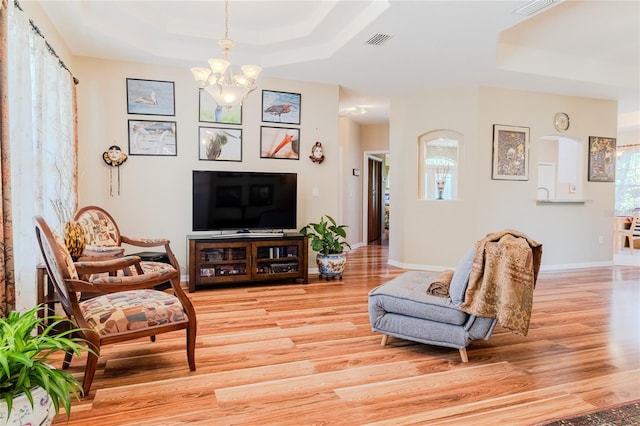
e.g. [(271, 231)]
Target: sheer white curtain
[(43, 159)]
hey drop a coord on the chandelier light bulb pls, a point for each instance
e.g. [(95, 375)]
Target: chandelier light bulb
[(251, 71), (225, 88), (218, 66)]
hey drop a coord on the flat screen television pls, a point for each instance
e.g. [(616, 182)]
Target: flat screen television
[(244, 201)]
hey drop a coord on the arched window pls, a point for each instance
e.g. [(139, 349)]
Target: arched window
[(438, 159)]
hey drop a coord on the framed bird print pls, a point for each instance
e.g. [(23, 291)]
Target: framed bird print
[(220, 144), (152, 137), (280, 107), (279, 142), (150, 97)]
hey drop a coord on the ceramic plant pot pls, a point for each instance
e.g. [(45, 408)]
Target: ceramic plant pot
[(331, 266), (42, 412)]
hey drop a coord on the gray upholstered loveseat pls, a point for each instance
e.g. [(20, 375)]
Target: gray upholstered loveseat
[(402, 308)]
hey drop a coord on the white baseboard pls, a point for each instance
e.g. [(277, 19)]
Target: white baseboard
[(542, 267), (625, 258), (566, 266), (419, 267)]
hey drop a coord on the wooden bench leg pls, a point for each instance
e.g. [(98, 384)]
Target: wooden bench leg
[(463, 355), (385, 339)]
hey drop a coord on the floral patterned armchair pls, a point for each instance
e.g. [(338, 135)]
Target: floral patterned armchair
[(104, 241), (115, 307)]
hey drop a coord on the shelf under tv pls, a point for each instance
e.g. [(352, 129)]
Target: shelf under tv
[(221, 259)]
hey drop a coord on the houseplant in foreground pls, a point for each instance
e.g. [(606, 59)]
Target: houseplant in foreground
[(329, 240), (29, 386)]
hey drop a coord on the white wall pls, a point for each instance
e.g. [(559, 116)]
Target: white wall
[(155, 191), (375, 137), (428, 233), (351, 186)]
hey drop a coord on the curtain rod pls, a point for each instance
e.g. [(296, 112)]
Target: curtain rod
[(36, 30)]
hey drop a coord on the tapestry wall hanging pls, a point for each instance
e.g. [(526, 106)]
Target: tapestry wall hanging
[(602, 159), (510, 153)]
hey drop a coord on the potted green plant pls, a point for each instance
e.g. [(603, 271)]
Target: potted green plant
[(329, 240), (29, 386)]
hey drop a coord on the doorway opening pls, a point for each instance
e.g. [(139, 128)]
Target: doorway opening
[(376, 203)]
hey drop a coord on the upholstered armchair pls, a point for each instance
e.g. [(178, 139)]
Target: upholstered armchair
[(104, 240), (115, 308), (492, 284)]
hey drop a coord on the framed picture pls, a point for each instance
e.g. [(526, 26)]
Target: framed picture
[(150, 97), (510, 153), (602, 159), (220, 144), (210, 112), (280, 107), (152, 137), (279, 142)]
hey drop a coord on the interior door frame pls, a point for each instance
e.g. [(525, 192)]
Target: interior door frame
[(367, 155)]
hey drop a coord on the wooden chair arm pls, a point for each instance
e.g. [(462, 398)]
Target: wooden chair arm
[(110, 284), (91, 252), (81, 286), (153, 242), (101, 266), (145, 242)]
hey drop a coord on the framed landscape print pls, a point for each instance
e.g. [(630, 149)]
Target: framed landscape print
[(280, 107), (220, 144), (150, 97), (279, 142), (602, 159), (210, 112), (152, 137), (510, 153)]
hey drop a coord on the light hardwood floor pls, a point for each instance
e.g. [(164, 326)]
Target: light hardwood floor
[(289, 354)]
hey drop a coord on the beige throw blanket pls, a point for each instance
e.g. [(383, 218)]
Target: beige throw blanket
[(440, 286), (503, 276)]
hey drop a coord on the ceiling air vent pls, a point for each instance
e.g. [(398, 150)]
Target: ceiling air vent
[(533, 7), (378, 39)]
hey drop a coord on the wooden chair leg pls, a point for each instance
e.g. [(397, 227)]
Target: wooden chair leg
[(89, 372), (463, 354), (385, 339), (191, 346), (67, 360)]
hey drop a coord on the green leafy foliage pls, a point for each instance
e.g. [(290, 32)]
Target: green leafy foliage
[(327, 237), (24, 355)]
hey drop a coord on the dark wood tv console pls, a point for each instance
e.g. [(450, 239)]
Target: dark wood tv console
[(236, 258)]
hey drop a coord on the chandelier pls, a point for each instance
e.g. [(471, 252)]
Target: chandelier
[(227, 89)]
